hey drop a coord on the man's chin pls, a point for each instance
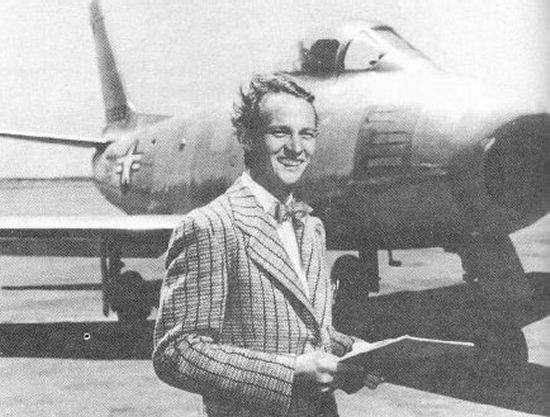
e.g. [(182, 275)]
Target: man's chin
[(290, 180)]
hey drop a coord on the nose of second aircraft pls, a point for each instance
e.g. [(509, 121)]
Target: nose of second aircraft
[(517, 173)]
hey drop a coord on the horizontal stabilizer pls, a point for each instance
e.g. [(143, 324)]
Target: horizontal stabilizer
[(75, 141), (137, 236), (59, 287)]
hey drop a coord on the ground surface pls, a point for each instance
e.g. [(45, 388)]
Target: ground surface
[(61, 357)]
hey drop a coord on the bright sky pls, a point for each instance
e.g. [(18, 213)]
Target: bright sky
[(176, 56)]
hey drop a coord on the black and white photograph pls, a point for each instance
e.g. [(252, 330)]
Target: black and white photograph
[(265, 209)]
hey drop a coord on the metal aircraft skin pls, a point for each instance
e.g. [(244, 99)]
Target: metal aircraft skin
[(408, 156)]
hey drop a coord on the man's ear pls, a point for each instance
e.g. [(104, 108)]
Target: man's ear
[(247, 146), (247, 141)]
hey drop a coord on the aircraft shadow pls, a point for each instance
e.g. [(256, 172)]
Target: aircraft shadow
[(101, 340), (501, 377)]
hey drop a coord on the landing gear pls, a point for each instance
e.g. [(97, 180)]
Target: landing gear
[(348, 296), (123, 292), (368, 262), (353, 278), (492, 263), (502, 292), (128, 298), (345, 276)]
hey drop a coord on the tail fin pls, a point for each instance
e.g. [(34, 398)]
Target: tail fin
[(118, 112), (117, 109)]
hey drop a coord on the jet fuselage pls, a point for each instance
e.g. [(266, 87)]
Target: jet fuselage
[(403, 156)]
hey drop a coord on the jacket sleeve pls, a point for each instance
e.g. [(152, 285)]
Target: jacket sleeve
[(187, 353)]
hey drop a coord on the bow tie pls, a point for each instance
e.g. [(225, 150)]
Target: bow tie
[(295, 210)]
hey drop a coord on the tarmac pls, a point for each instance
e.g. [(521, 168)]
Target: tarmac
[(60, 357)]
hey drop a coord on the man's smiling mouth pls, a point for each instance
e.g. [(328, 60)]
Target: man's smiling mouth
[(290, 163)]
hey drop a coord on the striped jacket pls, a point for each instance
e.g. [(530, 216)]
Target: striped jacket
[(233, 314)]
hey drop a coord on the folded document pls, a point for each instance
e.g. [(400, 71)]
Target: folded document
[(405, 349)]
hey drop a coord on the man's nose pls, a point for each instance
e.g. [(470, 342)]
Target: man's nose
[(295, 144)]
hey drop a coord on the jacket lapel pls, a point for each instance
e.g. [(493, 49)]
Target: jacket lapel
[(263, 243), (311, 253)]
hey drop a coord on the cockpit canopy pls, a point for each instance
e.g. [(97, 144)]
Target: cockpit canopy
[(353, 46)]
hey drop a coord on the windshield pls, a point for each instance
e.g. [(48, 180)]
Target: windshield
[(364, 51), (322, 56), (355, 46), (393, 39)]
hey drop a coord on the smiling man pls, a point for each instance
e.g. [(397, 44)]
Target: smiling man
[(245, 310), (287, 129)]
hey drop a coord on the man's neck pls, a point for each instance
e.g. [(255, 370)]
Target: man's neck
[(280, 191)]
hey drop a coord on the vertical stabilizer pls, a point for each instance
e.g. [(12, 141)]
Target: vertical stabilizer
[(117, 109)]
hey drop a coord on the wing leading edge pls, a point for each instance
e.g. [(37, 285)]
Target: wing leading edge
[(82, 236)]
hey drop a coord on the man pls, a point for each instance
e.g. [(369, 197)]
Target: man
[(245, 309)]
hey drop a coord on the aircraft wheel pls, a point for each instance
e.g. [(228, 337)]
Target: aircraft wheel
[(344, 276), (349, 295), (128, 298)]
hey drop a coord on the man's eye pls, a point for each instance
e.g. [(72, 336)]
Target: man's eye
[(309, 134), (279, 133)]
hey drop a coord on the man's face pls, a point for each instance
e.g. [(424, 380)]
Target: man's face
[(286, 141)]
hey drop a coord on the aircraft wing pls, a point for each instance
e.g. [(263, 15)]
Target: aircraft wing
[(82, 236), (78, 141)]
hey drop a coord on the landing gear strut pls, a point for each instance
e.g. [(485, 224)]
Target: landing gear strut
[(123, 293), (502, 292), (493, 263), (353, 277), (368, 262)]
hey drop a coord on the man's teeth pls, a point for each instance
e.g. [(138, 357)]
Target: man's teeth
[(290, 162)]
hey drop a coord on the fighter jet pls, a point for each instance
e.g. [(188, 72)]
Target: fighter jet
[(409, 156)]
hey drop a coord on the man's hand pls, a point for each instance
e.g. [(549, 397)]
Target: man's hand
[(319, 372), (315, 372), (351, 378)]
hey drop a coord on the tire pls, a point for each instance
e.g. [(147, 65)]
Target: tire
[(349, 293), (128, 298)]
